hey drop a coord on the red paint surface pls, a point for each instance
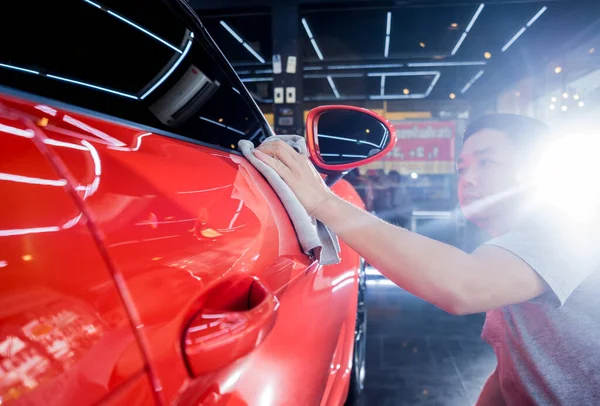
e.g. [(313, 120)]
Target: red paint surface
[(146, 232)]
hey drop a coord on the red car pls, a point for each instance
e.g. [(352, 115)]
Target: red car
[(143, 259)]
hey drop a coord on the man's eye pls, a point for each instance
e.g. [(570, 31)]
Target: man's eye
[(486, 162)]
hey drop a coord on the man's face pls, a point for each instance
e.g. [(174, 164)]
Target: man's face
[(486, 169)]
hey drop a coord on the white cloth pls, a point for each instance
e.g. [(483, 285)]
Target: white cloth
[(315, 238)]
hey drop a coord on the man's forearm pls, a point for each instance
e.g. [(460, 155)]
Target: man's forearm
[(436, 272)]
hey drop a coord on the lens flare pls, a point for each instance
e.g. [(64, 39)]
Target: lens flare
[(566, 176)]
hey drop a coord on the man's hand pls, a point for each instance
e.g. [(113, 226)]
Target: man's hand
[(297, 172)]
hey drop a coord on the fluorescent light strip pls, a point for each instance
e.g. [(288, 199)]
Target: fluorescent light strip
[(382, 86), (19, 69), (253, 52), (213, 122), (235, 90), (145, 31), (479, 10), (170, 71), (432, 64), (459, 43), (432, 85), (241, 41), (17, 131), (522, 30), (333, 75), (388, 27), (333, 137), (57, 143), (535, 17), (263, 71), (77, 82), (32, 181), (235, 130), (468, 85), (513, 39), (24, 231), (93, 4), (368, 66), (232, 32), (309, 68), (420, 73), (464, 34), (222, 125), (104, 89), (316, 47), (249, 80), (335, 91), (46, 109), (398, 96), (386, 50), (100, 134), (307, 29), (312, 39)]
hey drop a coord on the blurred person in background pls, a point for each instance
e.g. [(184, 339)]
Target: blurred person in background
[(382, 202), (538, 277), (363, 186), (402, 204)]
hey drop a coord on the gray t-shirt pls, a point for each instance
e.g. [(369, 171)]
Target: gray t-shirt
[(548, 348)]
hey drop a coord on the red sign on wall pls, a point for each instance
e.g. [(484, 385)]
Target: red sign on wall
[(431, 141)]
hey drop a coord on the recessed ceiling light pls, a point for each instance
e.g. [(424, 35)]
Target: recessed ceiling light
[(454, 25), (564, 108), (452, 96), (553, 100), (487, 55), (406, 91), (552, 107), (576, 96), (592, 50), (422, 44), (581, 104), (518, 94), (558, 69), (565, 95)]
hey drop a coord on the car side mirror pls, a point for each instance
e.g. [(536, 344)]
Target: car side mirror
[(341, 138)]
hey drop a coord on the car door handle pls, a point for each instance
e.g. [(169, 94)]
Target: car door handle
[(235, 317)]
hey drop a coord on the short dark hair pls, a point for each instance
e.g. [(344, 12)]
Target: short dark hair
[(526, 132)]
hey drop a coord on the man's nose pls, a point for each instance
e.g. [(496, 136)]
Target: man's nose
[(469, 177)]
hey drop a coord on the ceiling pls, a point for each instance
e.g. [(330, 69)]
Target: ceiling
[(435, 49)]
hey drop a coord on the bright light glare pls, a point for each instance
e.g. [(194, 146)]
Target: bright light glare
[(566, 176)]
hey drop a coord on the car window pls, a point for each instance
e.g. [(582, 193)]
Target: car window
[(135, 60)]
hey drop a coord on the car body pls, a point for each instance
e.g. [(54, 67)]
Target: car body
[(122, 221)]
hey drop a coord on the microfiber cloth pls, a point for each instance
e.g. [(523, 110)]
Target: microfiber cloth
[(315, 238)]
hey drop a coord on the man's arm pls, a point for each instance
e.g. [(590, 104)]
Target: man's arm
[(453, 280)]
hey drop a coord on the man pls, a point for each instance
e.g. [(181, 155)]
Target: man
[(537, 278)]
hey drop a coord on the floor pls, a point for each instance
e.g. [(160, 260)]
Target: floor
[(420, 355)]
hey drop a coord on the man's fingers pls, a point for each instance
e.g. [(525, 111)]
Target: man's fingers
[(277, 165), (283, 152)]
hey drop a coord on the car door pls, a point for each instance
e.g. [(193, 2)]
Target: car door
[(65, 335), (227, 307)]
